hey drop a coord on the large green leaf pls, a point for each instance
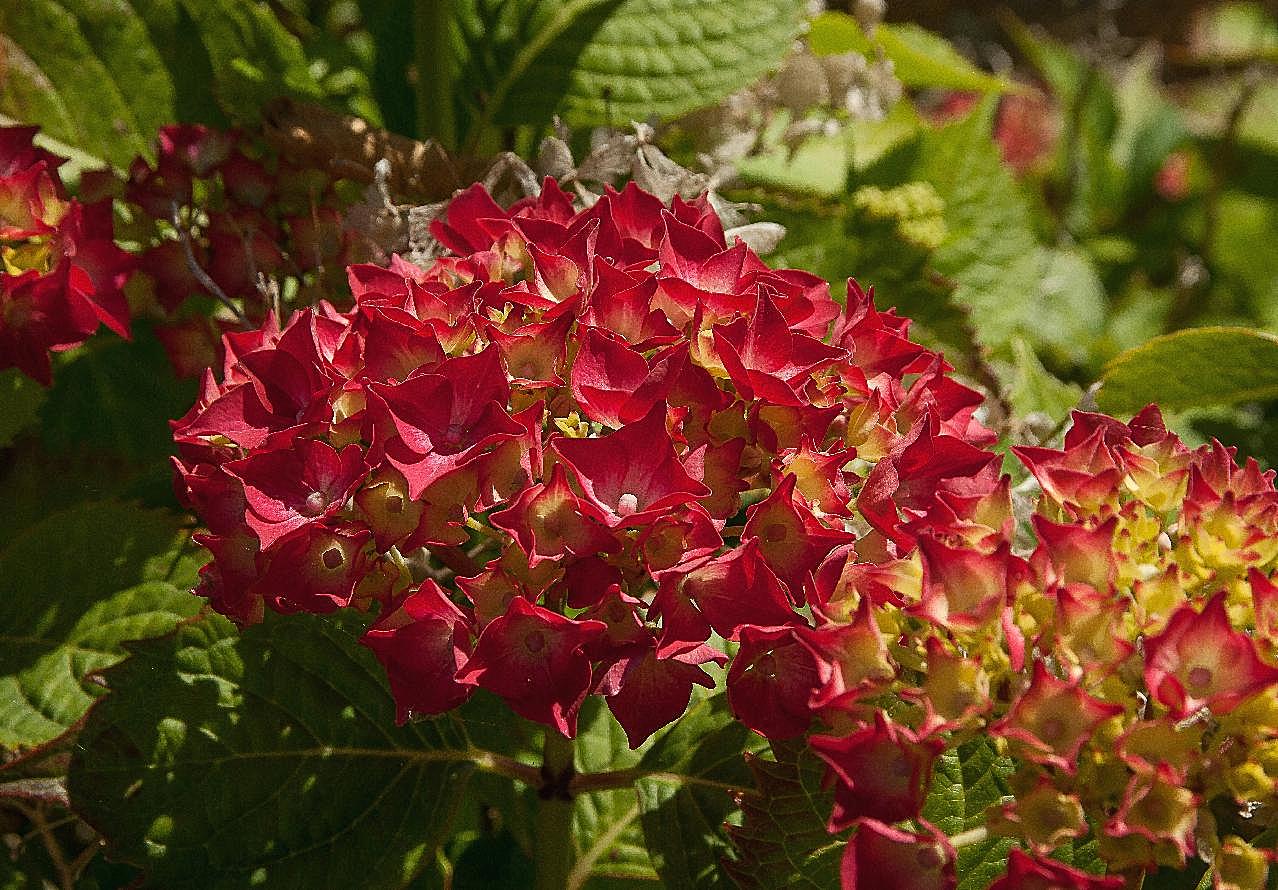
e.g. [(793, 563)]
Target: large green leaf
[(612, 61), (990, 251), (102, 75), (782, 841), (686, 794), (609, 842), (88, 72), (20, 399), (116, 397), (966, 780), (1193, 368), (269, 758), (920, 58), (253, 58), (1007, 282), (73, 588)]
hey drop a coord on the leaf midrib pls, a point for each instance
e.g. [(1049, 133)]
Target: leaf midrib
[(563, 17)]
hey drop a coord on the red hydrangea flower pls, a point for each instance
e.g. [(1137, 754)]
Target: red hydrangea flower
[(1201, 661), (645, 692), (422, 643), (549, 521), (536, 660), (881, 772), (287, 488), (772, 679), (1025, 872), (1053, 719), (315, 569), (633, 475), (596, 451), (61, 275), (880, 857)]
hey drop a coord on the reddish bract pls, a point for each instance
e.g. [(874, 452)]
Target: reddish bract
[(61, 275)]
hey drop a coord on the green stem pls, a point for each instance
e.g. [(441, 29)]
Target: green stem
[(612, 780), (976, 835), (433, 55), (565, 14), (553, 825)]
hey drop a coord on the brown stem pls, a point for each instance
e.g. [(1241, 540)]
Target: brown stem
[(584, 783), (81, 862), (206, 282), (508, 767), (66, 874)]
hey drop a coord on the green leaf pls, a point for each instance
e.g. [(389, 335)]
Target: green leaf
[(492, 726), (1082, 853), (869, 140), (268, 758), (1006, 281), (116, 397), (87, 71), (819, 165), (103, 75), (966, 780), (35, 484), (606, 833), (990, 251), (492, 860), (1251, 274), (73, 588), (20, 400), (920, 58), (1070, 308), (392, 56), (782, 841), (253, 57), (1034, 389), (1193, 368), (612, 61), (685, 796)]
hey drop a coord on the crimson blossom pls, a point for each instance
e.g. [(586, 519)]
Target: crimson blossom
[(602, 451), (61, 274)]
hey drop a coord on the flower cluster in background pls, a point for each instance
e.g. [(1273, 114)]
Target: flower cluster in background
[(61, 274), (216, 215), (598, 451)]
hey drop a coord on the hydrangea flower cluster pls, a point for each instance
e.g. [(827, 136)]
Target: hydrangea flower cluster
[(1126, 662), (240, 213), (61, 273), (596, 451)]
